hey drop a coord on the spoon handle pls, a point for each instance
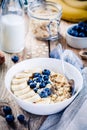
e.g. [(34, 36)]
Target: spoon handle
[(60, 50)]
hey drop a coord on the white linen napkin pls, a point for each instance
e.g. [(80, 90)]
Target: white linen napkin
[(68, 56)]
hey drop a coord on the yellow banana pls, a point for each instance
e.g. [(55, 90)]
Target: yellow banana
[(71, 14), (77, 4)]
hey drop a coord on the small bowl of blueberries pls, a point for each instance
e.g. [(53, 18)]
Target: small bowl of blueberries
[(76, 35)]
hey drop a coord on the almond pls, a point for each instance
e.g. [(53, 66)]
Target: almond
[(2, 57)]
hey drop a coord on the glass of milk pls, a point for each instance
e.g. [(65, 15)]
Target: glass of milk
[(12, 27)]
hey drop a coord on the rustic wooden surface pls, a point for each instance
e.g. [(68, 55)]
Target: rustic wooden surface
[(33, 48)]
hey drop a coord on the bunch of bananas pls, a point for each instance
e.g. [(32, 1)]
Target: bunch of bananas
[(73, 10)]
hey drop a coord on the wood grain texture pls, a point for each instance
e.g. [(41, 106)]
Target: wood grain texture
[(33, 48)]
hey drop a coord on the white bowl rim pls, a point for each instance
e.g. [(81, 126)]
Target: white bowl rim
[(33, 104), (79, 38)]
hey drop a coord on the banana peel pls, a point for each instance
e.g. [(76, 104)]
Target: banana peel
[(71, 14), (77, 4)]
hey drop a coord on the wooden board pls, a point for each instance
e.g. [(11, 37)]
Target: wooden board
[(33, 48)]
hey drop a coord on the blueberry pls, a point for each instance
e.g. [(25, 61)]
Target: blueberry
[(46, 77), (36, 75), (35, 90), (9, 118), (7, 110), (43, 94), (75, 27), (70, 31), (29, 81), (81, 24), (85, 32), (76, 34), (73, 33), (42, 85), (21, 118), (81, 34), (48, 90), (78, 28), (46, 72), (41, 76), (15, 59), (38, 79), (82, 29), (85, 25), (47, 82), (32, 85)]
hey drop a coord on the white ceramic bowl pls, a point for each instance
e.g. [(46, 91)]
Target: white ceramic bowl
[(76, 42), (45, 63)]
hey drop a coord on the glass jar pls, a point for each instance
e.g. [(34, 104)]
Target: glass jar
[(12, 27), (44, 20)]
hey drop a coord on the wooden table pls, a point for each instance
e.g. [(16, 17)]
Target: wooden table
[(33, 48)]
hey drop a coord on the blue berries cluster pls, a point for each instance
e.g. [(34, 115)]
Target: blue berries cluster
[(43, 80), (8, 114), (10, 117), (79, 30)]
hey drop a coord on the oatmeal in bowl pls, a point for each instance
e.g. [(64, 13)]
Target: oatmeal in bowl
[(39, 86)]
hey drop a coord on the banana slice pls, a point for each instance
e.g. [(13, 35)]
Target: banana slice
[(17, 87), (22, 92), (18, 81), (23, 75), (35, 70), (33, 99), (27, 95)]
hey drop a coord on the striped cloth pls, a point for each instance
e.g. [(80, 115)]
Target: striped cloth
[(74, 117)]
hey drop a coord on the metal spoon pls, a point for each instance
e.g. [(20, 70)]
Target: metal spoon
[(71, 81)]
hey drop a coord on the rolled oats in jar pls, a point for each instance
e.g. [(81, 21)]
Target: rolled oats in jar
[(44, 20)]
